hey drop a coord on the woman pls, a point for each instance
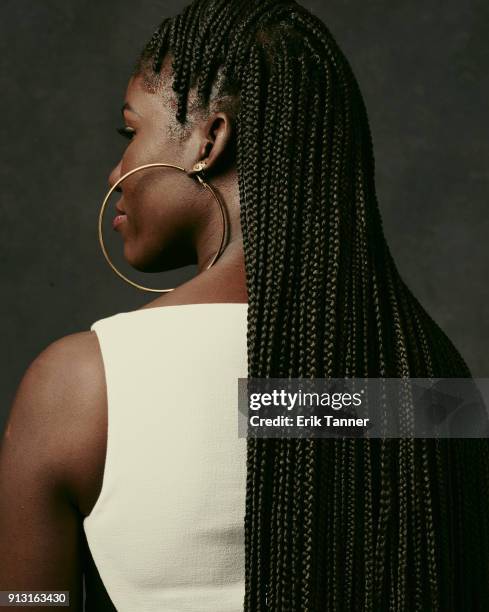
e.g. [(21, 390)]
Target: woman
[(269, 103)]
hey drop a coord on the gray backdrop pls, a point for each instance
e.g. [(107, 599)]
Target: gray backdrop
[(422, 68)]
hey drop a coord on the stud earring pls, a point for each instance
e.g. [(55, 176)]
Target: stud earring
[(199, 166), (198, 171)]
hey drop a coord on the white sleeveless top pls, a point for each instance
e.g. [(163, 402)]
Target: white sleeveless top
[(167, 530)]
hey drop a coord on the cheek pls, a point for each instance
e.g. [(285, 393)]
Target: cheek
[(134, 156), (160, 233), (160, 204), (146, 147)]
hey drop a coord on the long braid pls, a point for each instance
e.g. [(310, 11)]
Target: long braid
[(335, 523), (270, 289), (256, 454)]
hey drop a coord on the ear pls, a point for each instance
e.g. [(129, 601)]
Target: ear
[(217, 135)]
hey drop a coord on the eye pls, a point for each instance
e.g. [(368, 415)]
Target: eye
[(127, 132)]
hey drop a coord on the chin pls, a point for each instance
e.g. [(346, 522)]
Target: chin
[(137, 259), (148, 262), (141, 263)]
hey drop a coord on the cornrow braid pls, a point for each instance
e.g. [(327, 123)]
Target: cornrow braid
[(330, 524)]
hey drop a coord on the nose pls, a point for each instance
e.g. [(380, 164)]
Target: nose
[(114, 176)]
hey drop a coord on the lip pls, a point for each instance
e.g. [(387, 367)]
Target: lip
[(118, 219)]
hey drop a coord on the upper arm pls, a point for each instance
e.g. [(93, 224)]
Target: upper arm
[(40, 524)]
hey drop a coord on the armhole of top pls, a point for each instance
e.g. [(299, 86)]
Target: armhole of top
[(107, 460)]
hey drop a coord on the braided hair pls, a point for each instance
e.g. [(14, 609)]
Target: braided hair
[(330, 524)]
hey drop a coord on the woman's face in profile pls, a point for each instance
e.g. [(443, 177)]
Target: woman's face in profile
[(162, 215)]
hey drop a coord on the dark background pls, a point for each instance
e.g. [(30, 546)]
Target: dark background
[(422, 68)]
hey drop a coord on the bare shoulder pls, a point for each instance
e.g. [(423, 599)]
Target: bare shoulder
[(61, 400), (48, 467)]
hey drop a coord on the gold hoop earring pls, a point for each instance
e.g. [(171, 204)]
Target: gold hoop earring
[(196, 172)]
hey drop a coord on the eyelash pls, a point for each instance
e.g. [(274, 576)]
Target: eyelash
[(127, 132)]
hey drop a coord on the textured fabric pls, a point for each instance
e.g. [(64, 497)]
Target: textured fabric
[(167, 531)]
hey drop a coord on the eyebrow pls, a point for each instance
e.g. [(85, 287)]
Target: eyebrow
[(127, 106)]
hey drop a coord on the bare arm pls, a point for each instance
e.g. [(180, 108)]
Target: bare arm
[(40, 523)]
